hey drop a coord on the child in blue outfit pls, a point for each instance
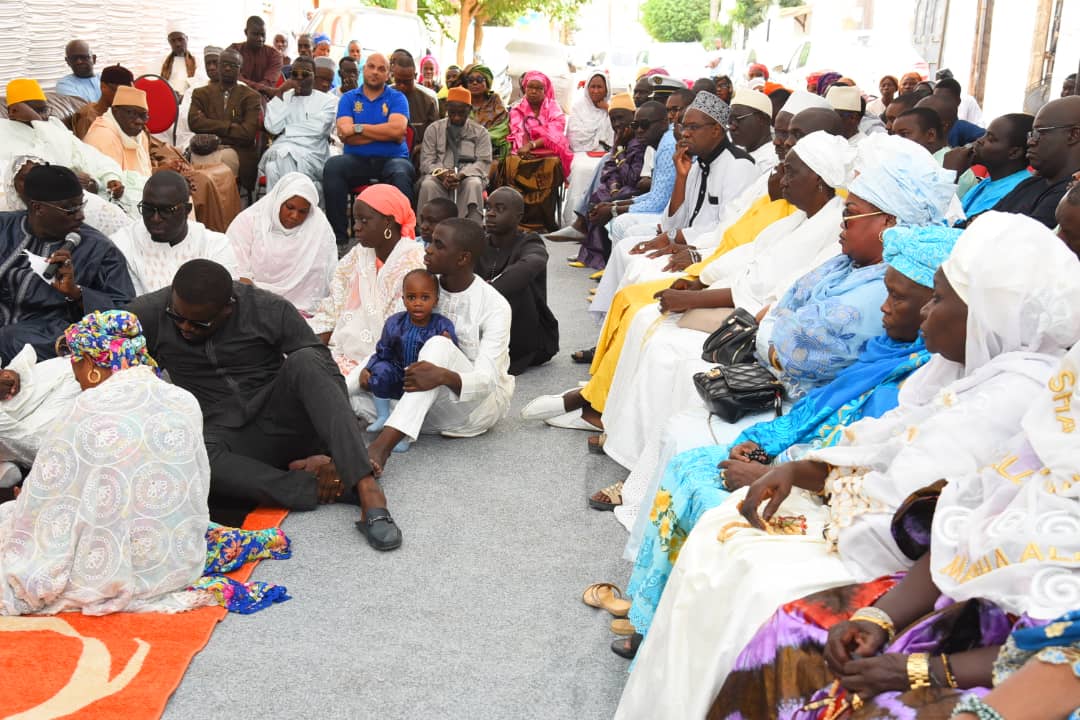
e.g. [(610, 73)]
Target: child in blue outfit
[(399, 347)]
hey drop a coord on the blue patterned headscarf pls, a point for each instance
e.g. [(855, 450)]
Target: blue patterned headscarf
[(112, 339), (917, 252), (903, 179)]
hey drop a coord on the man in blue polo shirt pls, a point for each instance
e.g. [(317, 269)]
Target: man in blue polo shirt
[(372, 122)]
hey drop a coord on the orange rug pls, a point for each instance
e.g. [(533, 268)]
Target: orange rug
[(124, 665)]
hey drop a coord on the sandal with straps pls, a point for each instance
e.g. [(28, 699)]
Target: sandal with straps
[(607, 499), (583, 356), (606, 596), (595, 443)]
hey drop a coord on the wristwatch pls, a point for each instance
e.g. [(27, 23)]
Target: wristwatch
[(357, 129)]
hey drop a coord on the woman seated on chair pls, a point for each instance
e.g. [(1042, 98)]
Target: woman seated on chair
[(113, 516), (284, 243), (540, 156), (487, 106)]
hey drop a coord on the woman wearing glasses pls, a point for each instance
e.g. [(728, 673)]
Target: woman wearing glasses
[(487, 107)]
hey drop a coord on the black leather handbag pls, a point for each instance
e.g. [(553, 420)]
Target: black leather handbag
[(733, 342), (732, 391)]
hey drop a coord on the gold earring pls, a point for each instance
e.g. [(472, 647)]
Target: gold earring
[(387, 234), (94, 376)]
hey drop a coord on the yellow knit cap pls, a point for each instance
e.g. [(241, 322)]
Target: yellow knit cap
[(23, 90)]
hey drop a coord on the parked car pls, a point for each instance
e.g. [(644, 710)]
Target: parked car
[(376, 29), (863, 56), (685, 61)]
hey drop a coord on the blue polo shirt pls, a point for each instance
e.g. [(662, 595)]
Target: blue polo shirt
[(354, 104)]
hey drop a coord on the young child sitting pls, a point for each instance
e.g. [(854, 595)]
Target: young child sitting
[(402, 337), (434, 212)]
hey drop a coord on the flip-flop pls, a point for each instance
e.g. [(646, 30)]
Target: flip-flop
[(595, 443), (606, 596), (622, 626)]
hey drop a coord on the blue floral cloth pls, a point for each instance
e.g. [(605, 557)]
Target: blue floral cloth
[(917, 252), (824, 321), (227, 549), (691, 483)]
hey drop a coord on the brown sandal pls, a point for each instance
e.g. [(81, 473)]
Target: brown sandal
[(596, 443), (622, 626), (606, 596), (607, 499)]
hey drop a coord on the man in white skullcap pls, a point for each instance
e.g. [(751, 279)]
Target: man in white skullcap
[(750, 125), (211, 54)]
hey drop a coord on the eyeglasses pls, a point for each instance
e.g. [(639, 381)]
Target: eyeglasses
[(135, 113), (641, 124), (70, 212), (1033, 136), (180, 320), (147, 210), (735, 119), (845, 218), (477, 80), (694, 127), (301, 74)]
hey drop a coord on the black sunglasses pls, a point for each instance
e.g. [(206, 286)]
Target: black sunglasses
[(641, 124), (201, 324), (147, 210), (477, 79)]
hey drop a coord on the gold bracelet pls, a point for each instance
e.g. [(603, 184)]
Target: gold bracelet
[(878, 617), (949, 678), (918, 670)]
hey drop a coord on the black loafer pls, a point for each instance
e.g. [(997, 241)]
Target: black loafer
[(627, 647), (381, 531)]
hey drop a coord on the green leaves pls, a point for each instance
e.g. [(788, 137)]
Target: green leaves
[(674, 20)]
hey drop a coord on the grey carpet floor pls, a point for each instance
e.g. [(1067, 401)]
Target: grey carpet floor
[(478, 615)]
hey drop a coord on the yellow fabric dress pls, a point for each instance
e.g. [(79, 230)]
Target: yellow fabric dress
[(630, 299)]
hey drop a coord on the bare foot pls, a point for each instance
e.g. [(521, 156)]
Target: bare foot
[(310, 464), (380, 448)]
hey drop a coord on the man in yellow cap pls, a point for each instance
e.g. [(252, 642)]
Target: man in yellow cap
[(119, 134), (455, 158), (29, 132)]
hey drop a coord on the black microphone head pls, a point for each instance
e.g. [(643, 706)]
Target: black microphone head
[(73, 238)]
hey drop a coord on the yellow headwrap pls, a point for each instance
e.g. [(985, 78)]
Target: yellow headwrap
[(23, 90)]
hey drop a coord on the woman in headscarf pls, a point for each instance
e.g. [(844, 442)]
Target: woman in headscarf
[(994, 551), (487, 107), (591, 136), (888, 86), (122, 482), (284, 243), (366, 285), (826, 81), (691, 484), (997, 335), (540, 158), (429, 73), (909, 82)]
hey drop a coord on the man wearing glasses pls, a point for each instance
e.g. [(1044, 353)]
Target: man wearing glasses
[(91, 276), (274, 402), (1053, 149), (300, 118), (166, 239), (82, 82)]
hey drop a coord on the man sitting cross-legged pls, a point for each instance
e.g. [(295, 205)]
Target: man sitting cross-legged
[(166, 238), (270, 394), (457, 392)]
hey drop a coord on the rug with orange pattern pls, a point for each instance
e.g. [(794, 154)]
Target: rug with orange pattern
[(124, 665)]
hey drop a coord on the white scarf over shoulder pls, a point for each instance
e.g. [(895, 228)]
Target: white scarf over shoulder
[(953, 419)]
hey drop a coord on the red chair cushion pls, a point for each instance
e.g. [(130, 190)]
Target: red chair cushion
[(162, 103)]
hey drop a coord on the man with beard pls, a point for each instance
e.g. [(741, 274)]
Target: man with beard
[(455, 158)]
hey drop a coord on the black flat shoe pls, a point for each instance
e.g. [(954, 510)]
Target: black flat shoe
[(627, 647), (381, 531), (583, 356)]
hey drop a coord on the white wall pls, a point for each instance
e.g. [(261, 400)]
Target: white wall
[(33, 33)]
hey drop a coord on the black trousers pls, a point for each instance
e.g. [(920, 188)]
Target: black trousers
[(307, 412), (534, 331)]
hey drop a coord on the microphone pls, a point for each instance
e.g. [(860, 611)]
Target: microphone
[(71, 241)]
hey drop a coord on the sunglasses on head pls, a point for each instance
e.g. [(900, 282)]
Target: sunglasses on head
[(641, 124)]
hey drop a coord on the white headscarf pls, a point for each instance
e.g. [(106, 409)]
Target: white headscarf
[(830, 157), (297, 263), (1010, 533), (902, 178), (588, 124)]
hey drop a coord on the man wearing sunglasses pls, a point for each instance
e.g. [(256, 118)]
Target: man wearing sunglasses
[(300, 118), (272, 398), (1053, 149), (165, 239), (91, 276), (82, 82)]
